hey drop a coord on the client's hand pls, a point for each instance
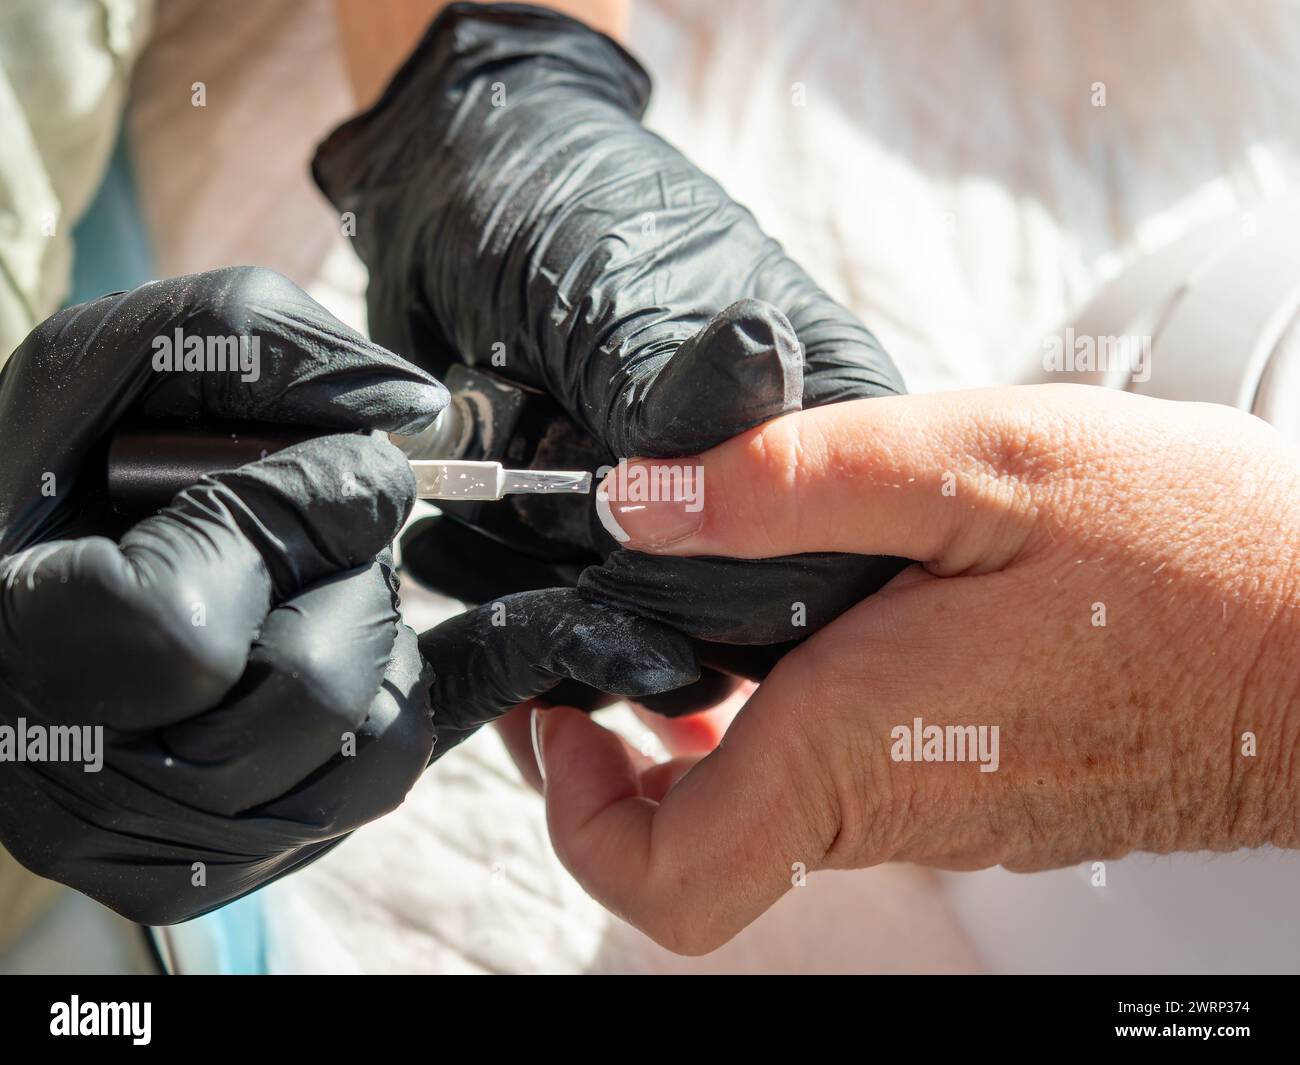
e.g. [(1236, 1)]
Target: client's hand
[(1097, 655)]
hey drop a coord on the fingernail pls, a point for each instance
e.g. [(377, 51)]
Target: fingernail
[(535, 727), (655, 503)]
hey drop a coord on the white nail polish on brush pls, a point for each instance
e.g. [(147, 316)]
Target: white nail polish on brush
[(459, 479)]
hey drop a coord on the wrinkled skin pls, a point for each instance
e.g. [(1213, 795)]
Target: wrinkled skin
[(1110, 581)]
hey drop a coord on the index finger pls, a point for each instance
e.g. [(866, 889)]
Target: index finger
[(946, 479)]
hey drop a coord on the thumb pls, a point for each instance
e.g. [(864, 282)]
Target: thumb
[(947, 479), (742, 368), (694, 865)]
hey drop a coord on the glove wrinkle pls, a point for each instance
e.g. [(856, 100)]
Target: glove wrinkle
[(227, 645), (490, 659), (505, 189)]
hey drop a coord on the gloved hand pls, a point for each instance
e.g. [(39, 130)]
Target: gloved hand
[(514, 214), (228, 645)]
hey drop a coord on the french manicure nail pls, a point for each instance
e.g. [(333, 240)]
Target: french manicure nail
[(655, 502), (535, 728)]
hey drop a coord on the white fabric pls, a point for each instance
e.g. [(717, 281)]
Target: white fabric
[(1211, 317), (942, 168), (64, 70)]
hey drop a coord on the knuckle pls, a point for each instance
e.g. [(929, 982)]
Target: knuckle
[(872, 801), (326, 687), (173, 630), (200, 655), (256, 289), (250, 300), (775, 461), (1024, 443), (212, 661), (679, 929), (775, 451), (1020, 457), (860, 807), (680, 905)]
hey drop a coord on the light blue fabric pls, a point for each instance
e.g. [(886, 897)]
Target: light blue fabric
[(112, 253), (229, 941), (111, 244)]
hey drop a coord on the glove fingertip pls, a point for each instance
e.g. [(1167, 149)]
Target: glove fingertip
[(413, 404), (744, 367)]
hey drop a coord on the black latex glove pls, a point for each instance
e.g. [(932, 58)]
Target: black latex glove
[(227, 644), (510, 206)]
